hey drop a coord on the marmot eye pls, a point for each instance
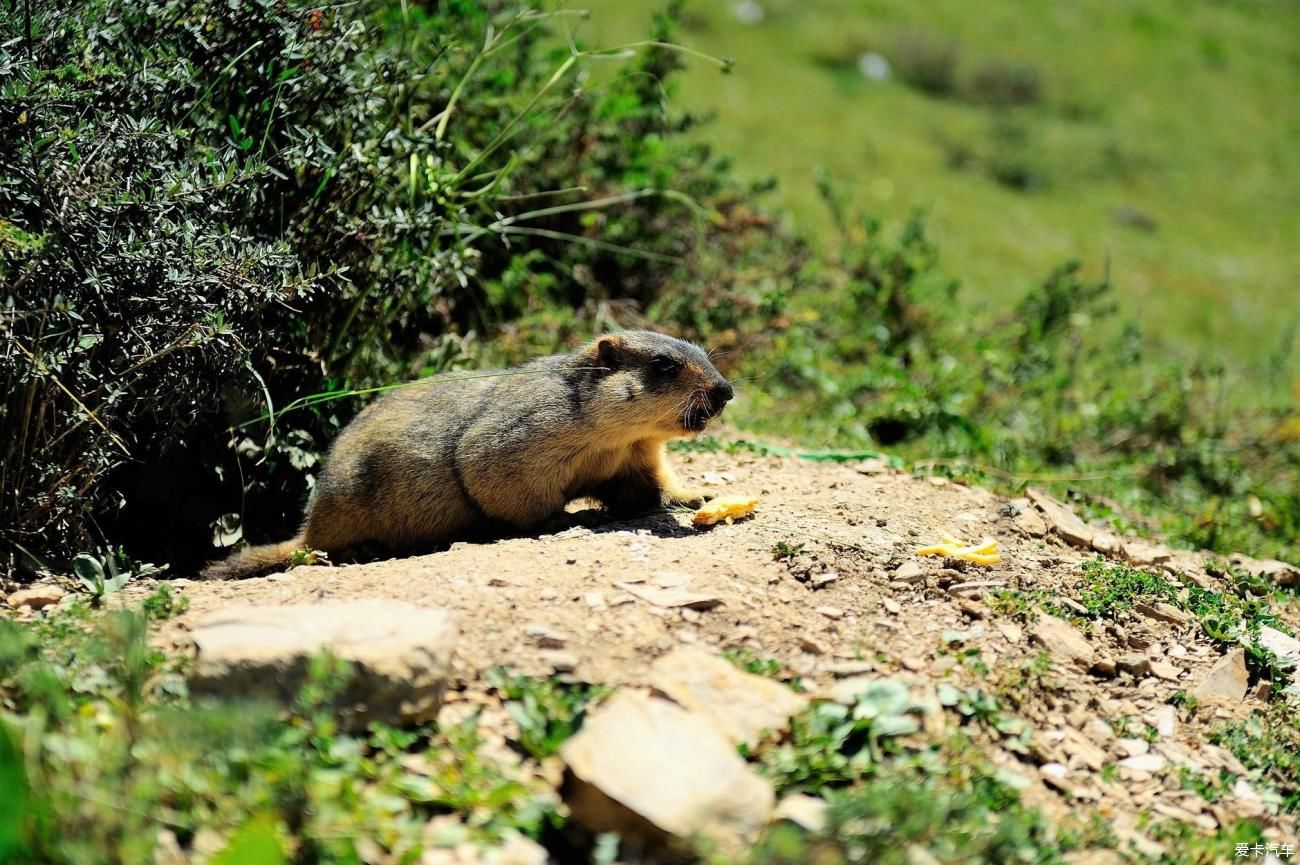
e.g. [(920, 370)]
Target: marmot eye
[(664, 365)]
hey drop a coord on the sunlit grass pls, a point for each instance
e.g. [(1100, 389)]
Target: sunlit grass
[(1182, 112)]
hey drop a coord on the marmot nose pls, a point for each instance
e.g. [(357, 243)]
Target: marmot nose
[(721, 394)]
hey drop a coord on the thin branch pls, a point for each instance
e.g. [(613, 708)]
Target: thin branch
[(94, 417)]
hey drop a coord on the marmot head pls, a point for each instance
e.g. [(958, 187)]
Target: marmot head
[(656, 383)]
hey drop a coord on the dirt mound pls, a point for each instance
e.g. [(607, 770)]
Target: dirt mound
[(824, 579)]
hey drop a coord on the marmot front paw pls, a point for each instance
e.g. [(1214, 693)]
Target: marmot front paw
[(690, 497)]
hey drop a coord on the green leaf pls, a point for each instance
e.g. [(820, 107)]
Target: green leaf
[(256, 843), (947, 694), (16, 795), (116, 583), (89, 572), (895, 725), (885, 697)]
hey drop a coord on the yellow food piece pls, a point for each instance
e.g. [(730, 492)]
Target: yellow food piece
[(984, 553), (726, 508)]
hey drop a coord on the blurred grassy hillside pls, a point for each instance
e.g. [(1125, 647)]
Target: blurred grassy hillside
[(1159, 137)]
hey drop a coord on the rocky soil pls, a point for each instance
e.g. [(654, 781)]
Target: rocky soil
[(825, 580)]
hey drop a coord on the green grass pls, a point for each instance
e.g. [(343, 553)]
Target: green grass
[(547, 711), (101, 747), (1183, 111), (1268, 745), (1110, 589)]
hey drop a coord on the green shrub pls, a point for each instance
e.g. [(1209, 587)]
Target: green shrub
[(1003, 83), (926, 61), (1268, 745), (893, 797)]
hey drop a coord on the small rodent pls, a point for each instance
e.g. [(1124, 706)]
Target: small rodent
[(469, 454)]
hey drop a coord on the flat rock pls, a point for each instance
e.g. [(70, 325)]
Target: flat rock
[(812, 645), (824, 579), (1144, 553), (1106, 543), (1162, 612), (850, 669), (400, 654), (1164, 719), (1135, 665), (36, 597), (656, 774), (1063, 640), (975, 586), (872, 466), (1278, 573), (671, 597), (1054, 775), (1133, 747), (1060, 519), (1280, 644), (739, 705), (807, 812), (1227, 679), (1143, 763), (1081, 751), (909, 572), (545, 637), (1031, 523), (1165, 670), (1189, 567)]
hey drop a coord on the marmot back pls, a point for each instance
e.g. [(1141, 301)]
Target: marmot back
[(467, 454)]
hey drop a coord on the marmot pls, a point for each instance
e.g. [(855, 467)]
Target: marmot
[(470, 454)]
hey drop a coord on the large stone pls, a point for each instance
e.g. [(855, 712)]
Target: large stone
[(1227, 679), (1280, 644), (739, 705), (1162, 612), (1062, 640), (808, 812), (1279, 573), (1145, 554), (36, 597), (661, 776), (400, 654), (1064, 522)]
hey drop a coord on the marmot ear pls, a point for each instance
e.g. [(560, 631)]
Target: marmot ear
[(609, 352)]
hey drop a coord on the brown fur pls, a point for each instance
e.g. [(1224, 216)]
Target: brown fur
[(467, 454)]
